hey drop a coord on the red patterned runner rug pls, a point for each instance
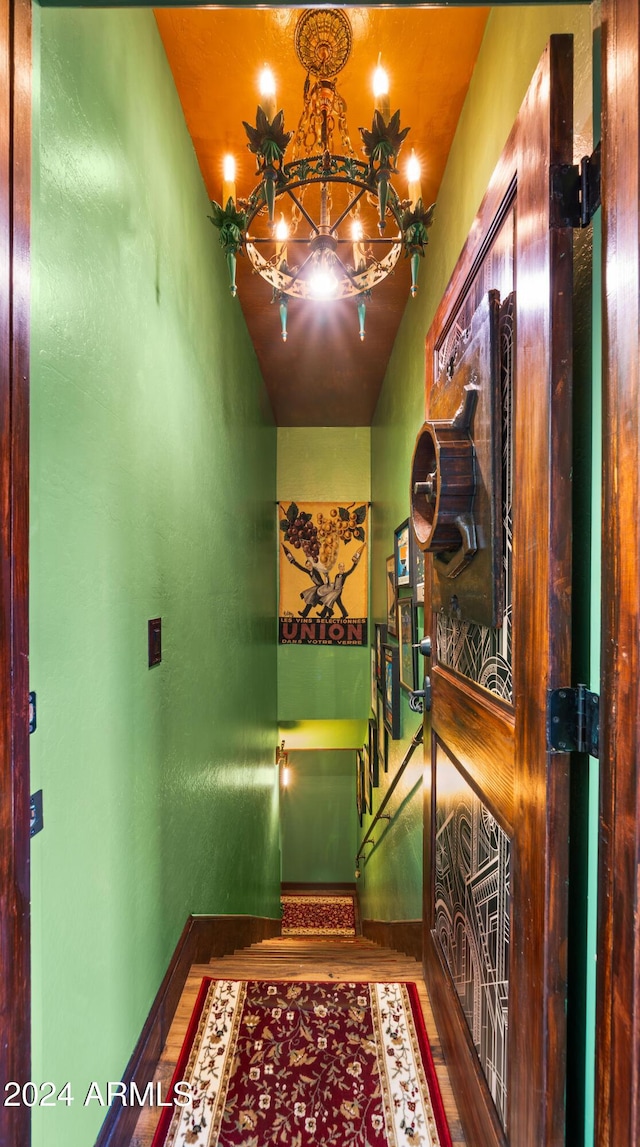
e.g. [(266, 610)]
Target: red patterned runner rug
[(305, 1065), (318, 915)]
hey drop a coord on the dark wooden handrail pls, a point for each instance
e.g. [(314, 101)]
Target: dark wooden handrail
[(417, 740)]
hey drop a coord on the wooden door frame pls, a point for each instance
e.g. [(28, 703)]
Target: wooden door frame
[(15, 162), (618, 1039), (618, 991)]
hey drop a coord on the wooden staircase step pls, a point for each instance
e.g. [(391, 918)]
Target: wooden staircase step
[(298, 958)]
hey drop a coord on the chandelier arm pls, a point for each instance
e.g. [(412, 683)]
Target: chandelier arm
[(350, 206), (393, 202), (389, 240), (316, 164), (331, 177), (351, 275), (301, 208), (300, 269), (264, 239)]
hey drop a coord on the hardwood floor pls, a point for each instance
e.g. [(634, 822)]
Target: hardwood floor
[(288, 958)]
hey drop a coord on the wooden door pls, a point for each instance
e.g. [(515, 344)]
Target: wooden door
[(496, 812)]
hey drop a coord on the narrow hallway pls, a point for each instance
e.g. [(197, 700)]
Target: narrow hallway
[(265, 650), (303, 959)]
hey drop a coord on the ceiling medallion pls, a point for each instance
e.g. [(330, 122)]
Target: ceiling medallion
[(324, 246), (323, 41)]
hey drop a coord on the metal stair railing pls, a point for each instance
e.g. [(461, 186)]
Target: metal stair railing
[(380, 814)]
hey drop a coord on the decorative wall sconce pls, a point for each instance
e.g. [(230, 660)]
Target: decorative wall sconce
[(282, 761)]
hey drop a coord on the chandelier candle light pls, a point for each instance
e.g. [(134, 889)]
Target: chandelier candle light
[(268, 93), (381, 91), (306, 256)]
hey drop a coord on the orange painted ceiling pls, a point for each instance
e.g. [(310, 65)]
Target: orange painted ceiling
[(323, 375)]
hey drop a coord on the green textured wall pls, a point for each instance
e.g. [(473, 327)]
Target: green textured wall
[(153, 480), (391, 886), (323, 464), (319, 840)]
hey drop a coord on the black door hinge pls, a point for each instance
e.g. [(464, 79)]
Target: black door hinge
[(33, 713), (573, 721), (575, 191), (36, 818)]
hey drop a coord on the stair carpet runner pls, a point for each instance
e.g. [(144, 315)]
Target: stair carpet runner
[(317, 915), (310, 961)]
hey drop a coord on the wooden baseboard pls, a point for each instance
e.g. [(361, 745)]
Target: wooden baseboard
[(402, 935), (203, 937)]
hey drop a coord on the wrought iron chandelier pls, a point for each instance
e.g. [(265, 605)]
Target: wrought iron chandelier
[(325, 247)]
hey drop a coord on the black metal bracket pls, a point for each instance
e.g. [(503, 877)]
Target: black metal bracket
[(575, 191), (573, 721)]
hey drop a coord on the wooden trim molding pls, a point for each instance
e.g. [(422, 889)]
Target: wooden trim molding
[(401, 935), (203, 937), (15, 200), (618, 1005)]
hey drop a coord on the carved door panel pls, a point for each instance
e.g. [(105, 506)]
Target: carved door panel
[(491, 498)]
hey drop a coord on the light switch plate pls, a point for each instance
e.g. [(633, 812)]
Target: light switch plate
[(155, 641)]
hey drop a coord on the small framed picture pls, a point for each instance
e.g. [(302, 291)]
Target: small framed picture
[(381, 637), (418, 607), (392, 690), (403, 550), (360, 786), (374, 764), (383, 736), (418, 580), (367, 792), (368, 781), (407, 638), (391, 595)]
